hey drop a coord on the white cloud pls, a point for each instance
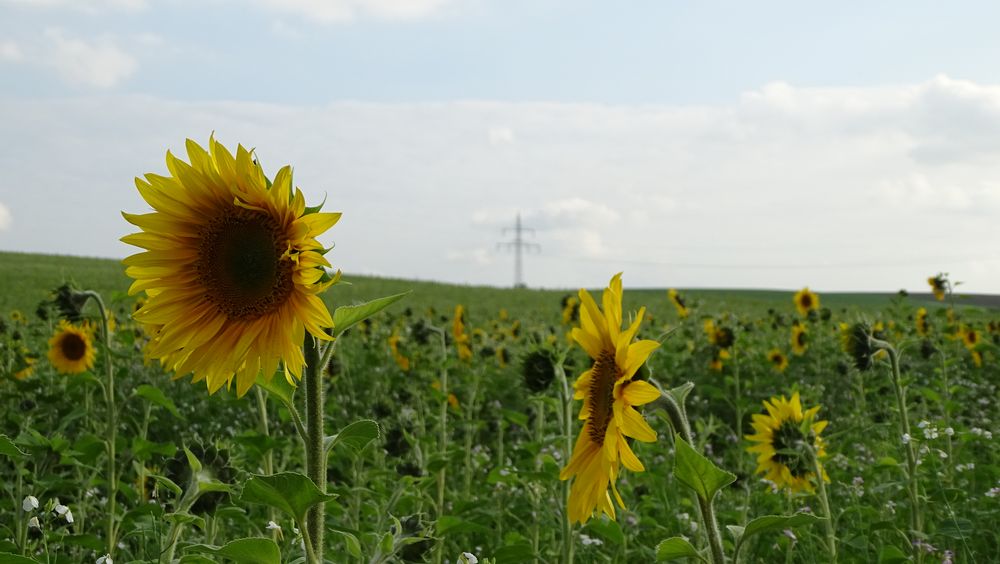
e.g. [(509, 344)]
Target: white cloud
[(342, 11), (501, 135), (10, 51), (5, 218), (784, 187), (99, 63)]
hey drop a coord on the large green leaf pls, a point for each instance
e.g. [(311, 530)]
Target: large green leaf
[(278, 387), (156, 395), (773, 523), (356, 436), (8, 448), (244, 551), (697, 472), (675, 548), (344, 317), (289, 492), (889, 554)]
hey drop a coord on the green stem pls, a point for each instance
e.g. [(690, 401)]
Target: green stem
[(315, 451), (567, 421), (824, 501), (912, 487), (112, 423), (268, 461), (443, 441)]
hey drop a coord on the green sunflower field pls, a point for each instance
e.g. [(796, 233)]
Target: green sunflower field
[(472, 424)]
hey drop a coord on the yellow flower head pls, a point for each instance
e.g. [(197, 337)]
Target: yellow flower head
[(778, 360), (970, 337), (458, 332), (939, 285), (800, 339), (806, 301), (71, 349), (609, 392), (570, 309), (400, 358), (678, 301), (231, 268), (923, 326), (782, 453)]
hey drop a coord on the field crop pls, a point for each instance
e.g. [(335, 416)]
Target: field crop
[(449, 417)]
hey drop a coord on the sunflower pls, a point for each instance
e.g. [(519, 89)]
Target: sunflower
[(232, 269), (24, 364), (458, 332), (778, 360), (855, 341), (609, 391), (678, 301), (939, 285), (400, 358), (806, 301), (923, 326), (800, 339), (570, 309), (781, 441), (71, 349), (970, 337)]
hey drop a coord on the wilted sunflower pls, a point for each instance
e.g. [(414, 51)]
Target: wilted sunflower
[(782, 453), (71, 349), (939, 285), (800, 339), (923, 327), (232, 268), (806, 301), (609, 393), (678, 301), (778, 360)]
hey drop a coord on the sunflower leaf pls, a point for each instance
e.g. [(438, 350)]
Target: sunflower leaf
[(357, 436), (697, 472), (249, 551), (675, 548), (768, 523), (8, 448), (156, 395), (290, 492), (16, 558), (345, 317)]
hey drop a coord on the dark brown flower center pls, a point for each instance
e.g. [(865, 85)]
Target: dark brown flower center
[(790, 450), (240, 264), (801, 338), (73, 347), (603, 376), (806, 301)]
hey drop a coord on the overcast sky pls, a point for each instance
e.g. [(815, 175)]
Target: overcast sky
[(850, 146)]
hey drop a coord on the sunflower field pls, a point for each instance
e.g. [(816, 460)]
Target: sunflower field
[(225, 396)]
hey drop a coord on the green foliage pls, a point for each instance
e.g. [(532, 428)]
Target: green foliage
[(243, 551), (289, 492), (699, 473), (676, 548)]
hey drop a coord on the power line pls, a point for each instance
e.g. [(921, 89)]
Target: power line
[(519, 245)]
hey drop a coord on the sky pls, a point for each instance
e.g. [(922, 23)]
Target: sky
[(853, 146)]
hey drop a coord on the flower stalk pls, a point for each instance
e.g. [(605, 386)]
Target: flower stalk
[(315, 450), (111, 420)]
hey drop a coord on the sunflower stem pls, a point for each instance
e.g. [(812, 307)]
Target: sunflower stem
[(268, 461), (567, 421), (912, 487), (443, 441), (315, 452), (824, 501), (112, 422)]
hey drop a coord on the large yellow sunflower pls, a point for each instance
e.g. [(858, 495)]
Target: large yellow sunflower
[(781, 450), (232, 268), (71, 349), (609, 392), (806, 300)]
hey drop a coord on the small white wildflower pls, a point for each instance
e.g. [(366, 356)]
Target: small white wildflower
[(906, 438), (790, 534), (891, 506), (106, 559), (949, 431), (68, 516), (504, 472), (930, 433), (30, 503), (987, 435), (587, 541), (976, 431), (922, 424), (34, 524), (942, 454), (858, 481), (271, 526), (468, 558), (994, 492)]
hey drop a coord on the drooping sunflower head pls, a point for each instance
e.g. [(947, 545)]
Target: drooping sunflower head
[(538, 369), (69, 301), (24, 363), (610, 391), (787, 439), (232, 268), (800, 338), (806, 301), (570, 309), (778, 360), (939, 285), (718, 335), (71, 349), (679, 304), (855, 340)]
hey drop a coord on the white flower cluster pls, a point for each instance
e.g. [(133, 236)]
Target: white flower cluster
[(930, 431), (982, 433), (588, 541), (965, 467)]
